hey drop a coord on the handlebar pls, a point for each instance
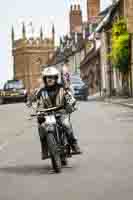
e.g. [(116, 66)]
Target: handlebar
[(43, 111), (50, 109)]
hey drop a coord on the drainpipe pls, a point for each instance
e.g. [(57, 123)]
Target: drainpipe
[(131, 61), (109, 66)]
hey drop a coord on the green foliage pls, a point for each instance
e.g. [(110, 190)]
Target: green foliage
[(120, 50)]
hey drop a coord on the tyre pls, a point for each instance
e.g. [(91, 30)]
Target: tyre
[(56, 163), (1, 101), (54, 153), (85, 98)]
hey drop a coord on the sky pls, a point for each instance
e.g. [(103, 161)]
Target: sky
[(40, 12)]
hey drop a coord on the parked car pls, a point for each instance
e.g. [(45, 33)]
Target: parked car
[(79, 88), (13, 90)]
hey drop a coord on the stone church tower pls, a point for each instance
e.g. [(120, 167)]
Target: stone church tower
[(93, 8), (28, 56), (75, 20)]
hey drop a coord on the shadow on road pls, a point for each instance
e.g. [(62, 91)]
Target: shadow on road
[(26, 169), (29, 169)]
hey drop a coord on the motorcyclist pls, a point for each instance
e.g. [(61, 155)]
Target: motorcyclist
[(51, 95)]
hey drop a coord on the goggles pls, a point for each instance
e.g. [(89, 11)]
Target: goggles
[(51, 77)]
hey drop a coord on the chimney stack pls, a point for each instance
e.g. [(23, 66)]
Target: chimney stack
[(75, 19), (93, 8)]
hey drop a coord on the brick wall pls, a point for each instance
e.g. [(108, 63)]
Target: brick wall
[(93, 8)]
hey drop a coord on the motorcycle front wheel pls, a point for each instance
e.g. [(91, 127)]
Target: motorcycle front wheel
[(64, 161), (54, 153)]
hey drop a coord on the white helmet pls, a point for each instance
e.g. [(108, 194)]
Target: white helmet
[(50, 71)]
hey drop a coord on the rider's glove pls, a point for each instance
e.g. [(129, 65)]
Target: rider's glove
[(40, 119)]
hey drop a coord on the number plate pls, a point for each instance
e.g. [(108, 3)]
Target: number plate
[(50, 119), (14, 94)]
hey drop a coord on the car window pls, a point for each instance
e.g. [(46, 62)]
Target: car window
[(14, 85), (76, 81)]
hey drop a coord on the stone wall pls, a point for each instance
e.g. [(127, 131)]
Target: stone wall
[(28, 57), (91, 74)]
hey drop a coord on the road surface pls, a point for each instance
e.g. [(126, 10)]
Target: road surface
[(103, 172)]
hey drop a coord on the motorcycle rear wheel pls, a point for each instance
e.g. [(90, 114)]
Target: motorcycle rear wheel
[(64, 161)]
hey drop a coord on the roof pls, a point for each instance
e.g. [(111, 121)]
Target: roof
[(60, 56), (108, 17), (105, 11)]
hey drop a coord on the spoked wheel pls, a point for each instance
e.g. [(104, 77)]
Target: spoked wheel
[(56, 163), (54, 153), (64, 154)]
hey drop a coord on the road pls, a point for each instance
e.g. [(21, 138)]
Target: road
[(103, 172)]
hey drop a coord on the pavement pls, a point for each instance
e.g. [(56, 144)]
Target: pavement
[(123, 101), (128, 102), (103, 172), (95, 97)]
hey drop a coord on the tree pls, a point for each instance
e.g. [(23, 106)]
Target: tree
[(120, 49)]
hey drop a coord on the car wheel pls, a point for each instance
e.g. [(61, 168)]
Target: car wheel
[(85, 98), (1, 101)]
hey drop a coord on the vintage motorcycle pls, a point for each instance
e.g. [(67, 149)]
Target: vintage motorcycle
[(58, 148)]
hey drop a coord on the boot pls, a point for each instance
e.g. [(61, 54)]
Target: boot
[(72, 141), (76, 148)]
